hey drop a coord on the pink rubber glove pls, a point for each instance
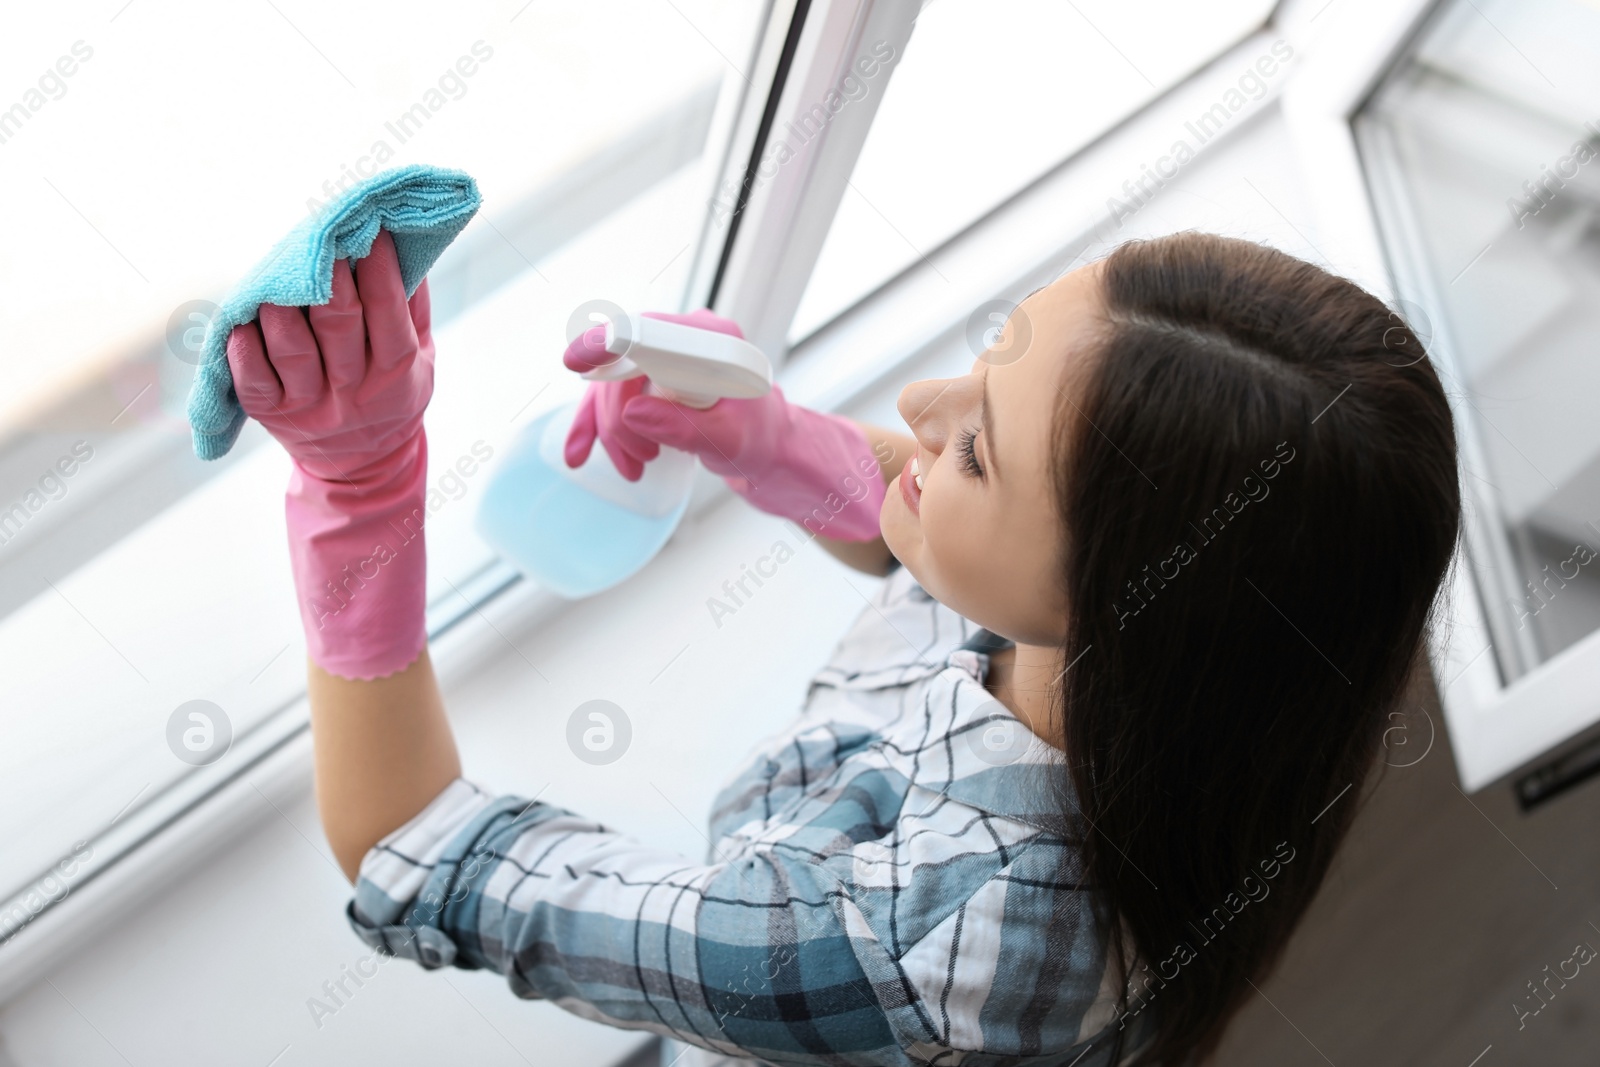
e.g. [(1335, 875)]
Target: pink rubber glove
[(815, 469), (343, 387), (599, 414)]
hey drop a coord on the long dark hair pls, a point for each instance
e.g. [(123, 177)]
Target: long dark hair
[(1259, 489)]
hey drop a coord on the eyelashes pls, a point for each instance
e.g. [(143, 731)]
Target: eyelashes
[(967, 450)]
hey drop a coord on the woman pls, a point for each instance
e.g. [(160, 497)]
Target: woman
[(1166, 558)]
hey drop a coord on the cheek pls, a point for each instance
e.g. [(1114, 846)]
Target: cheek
[(936, 544), (954, 518), (961, 551), (992, 564)]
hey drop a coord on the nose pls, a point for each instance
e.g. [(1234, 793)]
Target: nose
[(932, 406)]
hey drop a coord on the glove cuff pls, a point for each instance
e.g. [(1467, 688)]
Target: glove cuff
[(360, 565), (829, 480)]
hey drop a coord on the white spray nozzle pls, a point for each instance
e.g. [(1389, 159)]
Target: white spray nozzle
[(690, 365)]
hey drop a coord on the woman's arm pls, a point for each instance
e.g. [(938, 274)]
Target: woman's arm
[(785, 459), (797, 951), (893, 451), (343, 387), (384, 749)]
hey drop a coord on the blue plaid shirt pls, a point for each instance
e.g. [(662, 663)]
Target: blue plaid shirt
[(883, 887)]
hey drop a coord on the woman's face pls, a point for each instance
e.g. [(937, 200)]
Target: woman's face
[(983, 534)]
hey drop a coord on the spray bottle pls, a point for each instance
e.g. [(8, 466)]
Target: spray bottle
[(579, 531)]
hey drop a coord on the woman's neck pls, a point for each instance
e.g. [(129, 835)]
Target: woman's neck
[(1022, 678)]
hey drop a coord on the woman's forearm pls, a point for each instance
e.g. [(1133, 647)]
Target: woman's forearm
[(893, 451), (384, 749)]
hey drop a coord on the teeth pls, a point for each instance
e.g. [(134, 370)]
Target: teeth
[(916, 471)]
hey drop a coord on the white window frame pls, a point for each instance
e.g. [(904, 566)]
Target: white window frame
[(1495, 729), (1021, 243), (782, 227), (156, 840)]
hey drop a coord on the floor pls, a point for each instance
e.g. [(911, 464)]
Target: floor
[(1437, 913)]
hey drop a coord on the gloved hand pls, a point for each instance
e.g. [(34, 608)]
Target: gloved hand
[(818, 470), (342, 387), (599, 414)]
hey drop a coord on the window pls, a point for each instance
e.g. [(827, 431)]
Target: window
[(988, 97), (1481, 154), (155, 153), (157, 167)]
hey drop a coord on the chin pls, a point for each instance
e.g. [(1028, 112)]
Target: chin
[(905, 546), (902, 541)]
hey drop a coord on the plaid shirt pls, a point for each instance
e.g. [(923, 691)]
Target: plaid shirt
[(883, 888)]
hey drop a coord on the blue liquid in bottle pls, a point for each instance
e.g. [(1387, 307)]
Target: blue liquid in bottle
[(579, 531)]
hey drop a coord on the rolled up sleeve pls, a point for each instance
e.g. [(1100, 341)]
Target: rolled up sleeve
[(408, 880), (764, 956)]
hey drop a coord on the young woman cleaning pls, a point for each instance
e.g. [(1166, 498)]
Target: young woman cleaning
[(1159, 566)]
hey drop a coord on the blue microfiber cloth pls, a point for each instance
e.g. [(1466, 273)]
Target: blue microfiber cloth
[(424, 208)]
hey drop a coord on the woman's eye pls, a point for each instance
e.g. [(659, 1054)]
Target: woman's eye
[(968, 451)]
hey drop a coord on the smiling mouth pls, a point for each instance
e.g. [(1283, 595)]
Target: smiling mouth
[(911, 479)]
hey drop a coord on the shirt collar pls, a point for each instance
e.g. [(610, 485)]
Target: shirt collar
[(989, 758)]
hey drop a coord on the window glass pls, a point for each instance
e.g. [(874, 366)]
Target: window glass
[(149, 155), (1481, 150), (989, 95)]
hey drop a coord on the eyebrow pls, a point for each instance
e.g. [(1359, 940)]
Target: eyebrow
[(988, 426)]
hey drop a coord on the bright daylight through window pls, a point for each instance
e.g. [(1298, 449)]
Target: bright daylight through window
[(987, 98), (148, 624), (1483, 166)]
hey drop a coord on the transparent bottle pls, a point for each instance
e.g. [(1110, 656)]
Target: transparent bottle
[(580, 531)]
